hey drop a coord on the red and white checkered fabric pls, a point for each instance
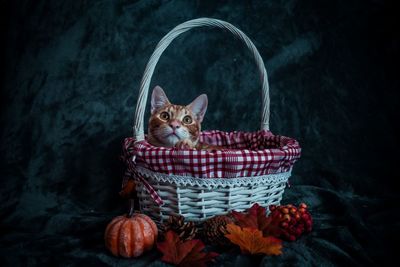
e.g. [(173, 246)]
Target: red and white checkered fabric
[(245, 154)]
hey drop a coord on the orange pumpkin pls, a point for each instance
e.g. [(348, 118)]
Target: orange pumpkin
[(130, 235)]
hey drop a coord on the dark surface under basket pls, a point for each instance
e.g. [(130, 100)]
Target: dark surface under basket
[(68, 93)]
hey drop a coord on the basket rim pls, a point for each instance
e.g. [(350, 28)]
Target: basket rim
[(209, 183)]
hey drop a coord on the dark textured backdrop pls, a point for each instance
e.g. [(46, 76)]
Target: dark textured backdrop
[(70, 83)]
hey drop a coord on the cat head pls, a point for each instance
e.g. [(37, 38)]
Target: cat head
[(171, 123)]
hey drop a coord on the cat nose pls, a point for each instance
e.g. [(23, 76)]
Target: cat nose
[(175, 124)]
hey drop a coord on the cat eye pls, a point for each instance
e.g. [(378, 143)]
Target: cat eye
[(187, 120), (164, 116)]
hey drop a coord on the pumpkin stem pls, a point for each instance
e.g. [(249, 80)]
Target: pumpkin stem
[(131, 207)]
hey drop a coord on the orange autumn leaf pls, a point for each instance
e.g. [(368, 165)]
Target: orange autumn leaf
[(251, 240)]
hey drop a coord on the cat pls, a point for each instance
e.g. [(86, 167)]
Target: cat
[(175, 125)]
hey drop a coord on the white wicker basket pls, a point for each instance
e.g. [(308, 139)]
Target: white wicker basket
[(195, 198)]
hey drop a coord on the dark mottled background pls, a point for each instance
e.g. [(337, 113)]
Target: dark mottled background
[(70, 83)]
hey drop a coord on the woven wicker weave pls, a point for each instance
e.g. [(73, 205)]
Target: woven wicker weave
[(195, 198), (198, 199)]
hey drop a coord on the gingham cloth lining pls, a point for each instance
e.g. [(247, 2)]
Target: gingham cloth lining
[(246, 154)]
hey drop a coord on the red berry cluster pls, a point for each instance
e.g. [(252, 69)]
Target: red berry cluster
[(292, 221)]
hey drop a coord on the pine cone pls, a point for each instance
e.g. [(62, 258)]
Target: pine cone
[(214, 229), (186, 231)]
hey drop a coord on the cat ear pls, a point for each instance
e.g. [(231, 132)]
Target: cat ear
[(158, 99), (199, 107)]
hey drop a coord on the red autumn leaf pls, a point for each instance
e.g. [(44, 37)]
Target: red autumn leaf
[(188, 253), (252, 241), (256, 217)]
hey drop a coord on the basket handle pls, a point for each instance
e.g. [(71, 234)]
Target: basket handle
[(138, 132)]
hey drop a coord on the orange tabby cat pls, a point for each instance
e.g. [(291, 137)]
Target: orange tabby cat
[(174, 125)]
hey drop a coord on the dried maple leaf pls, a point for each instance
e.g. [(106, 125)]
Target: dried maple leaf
[(188, 253), (251, 241), (256, 217)]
